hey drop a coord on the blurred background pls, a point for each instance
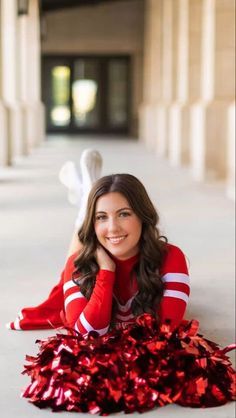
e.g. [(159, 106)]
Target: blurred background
[(160, 71), (148, 83)]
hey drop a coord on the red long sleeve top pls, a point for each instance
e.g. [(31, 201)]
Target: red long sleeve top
[(95, 314)]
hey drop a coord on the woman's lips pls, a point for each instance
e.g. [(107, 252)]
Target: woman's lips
[(116, 240)]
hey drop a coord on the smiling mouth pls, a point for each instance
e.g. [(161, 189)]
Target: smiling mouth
[(116, 240)]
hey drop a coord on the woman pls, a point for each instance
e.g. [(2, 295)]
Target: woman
[(123, 254), (124, 297)]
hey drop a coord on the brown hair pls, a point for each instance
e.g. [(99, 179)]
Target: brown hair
[(152, 244)]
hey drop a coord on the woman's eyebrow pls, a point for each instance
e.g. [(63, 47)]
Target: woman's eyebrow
[(119, 210), (126, 208)]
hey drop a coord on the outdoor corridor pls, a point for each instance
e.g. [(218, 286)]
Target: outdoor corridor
[(36, 222)]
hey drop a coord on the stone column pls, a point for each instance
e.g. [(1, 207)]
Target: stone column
[(166, 59), (187, 112), (30, 83), (152, 72), (230, 185), (21, 110), (210, 115), (144, 111), (23, 76), (177, 111), (199, 108), (8, 104), (195, 132), (3, 124), (223, 89)]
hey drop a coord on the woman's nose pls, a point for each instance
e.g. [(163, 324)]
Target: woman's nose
[(113, 225)]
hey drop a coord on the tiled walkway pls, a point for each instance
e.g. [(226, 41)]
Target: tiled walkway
[(35, 226)]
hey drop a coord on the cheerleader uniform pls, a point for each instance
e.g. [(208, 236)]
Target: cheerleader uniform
[(95, 314), (135, 366)]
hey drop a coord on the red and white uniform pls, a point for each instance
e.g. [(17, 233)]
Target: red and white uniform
[(66, 300), (95, 314)]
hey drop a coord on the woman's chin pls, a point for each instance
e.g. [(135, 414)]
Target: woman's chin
[(116, 252), (121, 254)]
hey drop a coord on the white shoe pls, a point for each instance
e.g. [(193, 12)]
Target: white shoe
[(70, 178), (91, 168)]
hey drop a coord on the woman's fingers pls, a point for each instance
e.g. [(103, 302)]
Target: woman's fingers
[(104, 260)]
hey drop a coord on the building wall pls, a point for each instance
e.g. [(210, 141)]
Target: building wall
[(21, 111), (183, 75), (115, 28), (188, 112)]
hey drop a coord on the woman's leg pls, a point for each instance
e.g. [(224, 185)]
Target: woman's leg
[(79, 187)]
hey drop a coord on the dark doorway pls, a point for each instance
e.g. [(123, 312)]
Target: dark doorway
[(86, 93)]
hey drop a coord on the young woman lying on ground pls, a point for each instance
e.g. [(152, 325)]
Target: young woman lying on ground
[(122, 297)]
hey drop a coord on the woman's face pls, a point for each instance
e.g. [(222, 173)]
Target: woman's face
[(117, 227)]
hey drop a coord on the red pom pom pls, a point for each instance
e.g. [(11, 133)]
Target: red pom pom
[(135, 369)]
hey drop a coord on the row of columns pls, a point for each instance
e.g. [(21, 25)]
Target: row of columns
[(188, 112), (21, 109)]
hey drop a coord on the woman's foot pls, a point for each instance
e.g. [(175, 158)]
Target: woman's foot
[(91, 168), (79, 184), (69, 177)]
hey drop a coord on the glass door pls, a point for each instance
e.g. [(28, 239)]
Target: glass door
[(117, 109), (56, 94), (86, 94)]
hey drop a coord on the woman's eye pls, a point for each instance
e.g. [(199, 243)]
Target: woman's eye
[(124, 214), (100, 217)]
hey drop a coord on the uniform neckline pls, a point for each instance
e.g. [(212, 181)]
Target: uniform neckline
[(128, 261)]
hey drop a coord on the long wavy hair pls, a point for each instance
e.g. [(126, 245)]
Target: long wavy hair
[(152, 245)]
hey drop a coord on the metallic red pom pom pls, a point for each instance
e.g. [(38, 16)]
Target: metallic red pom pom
[(135, 369)]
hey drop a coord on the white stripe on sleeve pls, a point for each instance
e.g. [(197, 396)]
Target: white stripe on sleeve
[(176, 294), (73, 296), (89, 327), (68, 285), (176, 277)]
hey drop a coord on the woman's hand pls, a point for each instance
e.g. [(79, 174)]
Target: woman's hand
[(104, 261)]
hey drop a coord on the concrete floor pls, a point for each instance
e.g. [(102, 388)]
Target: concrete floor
[(35, 226)]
